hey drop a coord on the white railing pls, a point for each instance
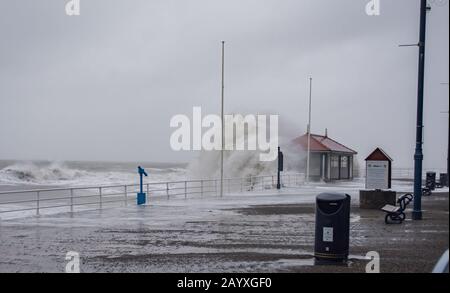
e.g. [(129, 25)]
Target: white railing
[(408, 173), (99, 196)]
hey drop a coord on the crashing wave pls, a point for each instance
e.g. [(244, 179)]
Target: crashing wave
[(23, 173), (240, 164), (57, 174)]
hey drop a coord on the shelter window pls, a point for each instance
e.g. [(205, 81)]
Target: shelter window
[(334, 161), (344, 161)]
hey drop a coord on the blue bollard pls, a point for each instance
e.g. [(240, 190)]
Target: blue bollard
[(141, 196)]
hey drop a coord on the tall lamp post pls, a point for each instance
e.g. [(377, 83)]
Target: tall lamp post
[(418, 155)]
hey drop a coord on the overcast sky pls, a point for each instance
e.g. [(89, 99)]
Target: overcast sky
[(104, 85)]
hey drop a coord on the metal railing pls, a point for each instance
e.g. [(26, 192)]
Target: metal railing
[(408, 173), (67, 199), (405, 173)]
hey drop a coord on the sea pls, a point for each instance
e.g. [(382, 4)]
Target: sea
[(25, 175)]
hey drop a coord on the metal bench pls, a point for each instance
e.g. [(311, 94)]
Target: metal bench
[(426, 191), (396, 214)]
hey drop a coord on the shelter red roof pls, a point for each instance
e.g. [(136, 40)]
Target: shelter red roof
[(320, 143)]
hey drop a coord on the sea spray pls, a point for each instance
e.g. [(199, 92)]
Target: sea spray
[(29, 172), (240, 164)]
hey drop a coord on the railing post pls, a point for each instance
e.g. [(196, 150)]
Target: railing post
[(148, 190), (241, 185), (167, 189), (126, 195), (71, 200), (38, 194), (185, 189), (201, 187), (100, 195), (215, 186)]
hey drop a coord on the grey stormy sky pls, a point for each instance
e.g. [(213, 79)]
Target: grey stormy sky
[(104, 85)]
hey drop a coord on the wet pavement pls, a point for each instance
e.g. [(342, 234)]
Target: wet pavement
[(257, 232)]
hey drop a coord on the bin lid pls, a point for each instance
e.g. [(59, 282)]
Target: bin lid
[(331, 197)]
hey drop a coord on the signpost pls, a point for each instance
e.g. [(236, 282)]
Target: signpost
[(378, 170), (377, 176), (280, 167), (378, 181)]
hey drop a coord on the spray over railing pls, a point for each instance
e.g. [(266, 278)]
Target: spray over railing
[(69, 199)]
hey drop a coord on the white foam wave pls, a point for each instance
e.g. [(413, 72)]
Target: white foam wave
[(59, 174)]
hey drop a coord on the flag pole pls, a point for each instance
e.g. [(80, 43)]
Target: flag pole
[(309, 131), (222, 118)]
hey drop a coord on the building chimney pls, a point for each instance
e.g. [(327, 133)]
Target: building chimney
[(326, 132)]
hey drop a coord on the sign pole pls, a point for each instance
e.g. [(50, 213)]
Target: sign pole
[(141, 196), (280, 167)]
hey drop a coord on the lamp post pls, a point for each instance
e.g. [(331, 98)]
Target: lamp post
[(418, 155)]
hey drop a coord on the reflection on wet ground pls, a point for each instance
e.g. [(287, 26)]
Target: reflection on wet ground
[(218, 235)]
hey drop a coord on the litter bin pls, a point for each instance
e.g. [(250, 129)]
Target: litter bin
[(430, 181), (332, 227), (443, 179)]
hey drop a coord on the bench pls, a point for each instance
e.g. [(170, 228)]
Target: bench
[(396, 214), (426, 191)]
